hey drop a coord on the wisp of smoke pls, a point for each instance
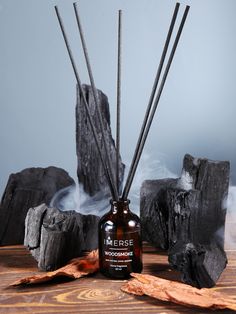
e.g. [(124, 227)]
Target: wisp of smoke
[(66, 199), (230, 231), (148, 169), (74, 197)]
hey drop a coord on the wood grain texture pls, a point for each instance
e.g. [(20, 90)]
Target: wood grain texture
[(94, 294)]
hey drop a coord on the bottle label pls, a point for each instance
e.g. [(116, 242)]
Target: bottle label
[(119, 253)]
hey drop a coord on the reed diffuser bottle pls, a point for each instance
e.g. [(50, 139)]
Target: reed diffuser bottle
[(120, 242), (120, 245)]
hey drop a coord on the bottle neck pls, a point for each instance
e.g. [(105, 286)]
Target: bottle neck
[(121, 206)]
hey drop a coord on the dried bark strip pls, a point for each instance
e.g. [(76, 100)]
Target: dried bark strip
[(176, 292), (76, 268)]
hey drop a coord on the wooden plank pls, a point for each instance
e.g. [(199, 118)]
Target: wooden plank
[(94, 294)]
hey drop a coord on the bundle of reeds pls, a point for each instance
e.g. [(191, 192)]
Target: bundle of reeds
[(112, 175)]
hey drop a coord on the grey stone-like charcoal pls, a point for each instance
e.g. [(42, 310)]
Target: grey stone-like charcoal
[(54, 237), (90, 170), (30, 187), (187, 217)]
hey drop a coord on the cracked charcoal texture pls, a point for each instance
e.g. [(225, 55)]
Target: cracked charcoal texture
[(212, 179), (30, 187), (90, 170), (54, 237), (153, 211), (200, 264), (187, 217)]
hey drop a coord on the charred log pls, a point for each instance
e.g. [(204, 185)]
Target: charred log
[(187, 217), (90, 170), (54, 237), (154, 212), (30, 187), (200, 265)]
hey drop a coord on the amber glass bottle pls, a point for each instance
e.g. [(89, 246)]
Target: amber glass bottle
[(120, 242)]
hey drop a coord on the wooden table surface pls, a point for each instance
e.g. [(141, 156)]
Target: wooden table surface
[(94, 294)]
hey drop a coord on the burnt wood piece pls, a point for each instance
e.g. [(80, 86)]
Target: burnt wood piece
[(212, 179), (90, 170), (154, 212), (25, 189), (54, 237), (183, 208), (200, 261), (194, 219), (200, 265), (197, 221)]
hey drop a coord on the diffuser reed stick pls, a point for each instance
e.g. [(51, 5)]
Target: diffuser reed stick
[(156, 102), (151, 107), (95, 94), (150, 103), (118, 99), (109, 180)]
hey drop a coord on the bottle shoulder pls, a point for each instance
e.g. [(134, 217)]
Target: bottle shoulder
[(115, 219)]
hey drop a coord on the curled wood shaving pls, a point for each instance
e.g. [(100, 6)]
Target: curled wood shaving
[(76, 268), (177, 292)]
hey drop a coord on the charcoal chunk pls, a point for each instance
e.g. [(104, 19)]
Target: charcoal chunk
[(25, 189), (54, 237), (187, 217), (200, 265), (183, 207), (90, 170), (154, 212), (212, 179)]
